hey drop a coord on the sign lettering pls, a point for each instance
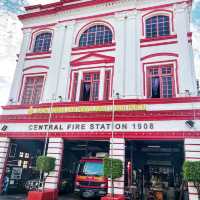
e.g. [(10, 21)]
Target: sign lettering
[(76, 109)]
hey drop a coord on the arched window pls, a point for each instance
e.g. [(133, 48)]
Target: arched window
[(96, 35), (157, 26), (42, 42)]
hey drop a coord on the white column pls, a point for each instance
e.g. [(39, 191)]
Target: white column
[(64, 76), (131, 56), (78, 92), (119, 82), (15, 89), (187, 80), (55, 150), (4, 147), (117, 151), (139, 72), (51, 85), (192, 149), (101, 84)]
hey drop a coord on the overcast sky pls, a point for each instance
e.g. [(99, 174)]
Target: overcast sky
[(10, 40)]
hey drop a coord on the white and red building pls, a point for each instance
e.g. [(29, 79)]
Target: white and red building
[(80, 59)]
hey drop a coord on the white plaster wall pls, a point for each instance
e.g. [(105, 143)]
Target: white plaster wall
[(128, 76)]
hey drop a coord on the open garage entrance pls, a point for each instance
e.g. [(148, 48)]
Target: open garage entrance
[(156, 168), (74, 152), (20, 164)]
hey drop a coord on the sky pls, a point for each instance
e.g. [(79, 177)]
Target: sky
[(11, 36)]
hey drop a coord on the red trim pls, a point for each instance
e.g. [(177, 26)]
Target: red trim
[(159, 54), (94, 47), (33, 7), (91, 187), (85, 27), (38, 58), (104, 59), (61, 8), (159, 38), (103, 116), (83, 68), (159, 44), (35, 67), (107, 84), (38, 53), (161, 136), (189, 34), (98, 51), (95, 62)]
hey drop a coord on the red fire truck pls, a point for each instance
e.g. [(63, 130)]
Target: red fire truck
[(89, 181)]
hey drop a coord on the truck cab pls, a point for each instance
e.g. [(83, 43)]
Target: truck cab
[(89, 181)]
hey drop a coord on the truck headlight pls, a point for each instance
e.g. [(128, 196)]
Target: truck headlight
[(103, 185)]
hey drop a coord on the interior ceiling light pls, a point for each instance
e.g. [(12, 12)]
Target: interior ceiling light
[(153, 146)]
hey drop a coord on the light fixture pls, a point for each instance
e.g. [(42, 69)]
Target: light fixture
[(190, 123), (153, 146), (117, 95), (60, 98), (4, 128)]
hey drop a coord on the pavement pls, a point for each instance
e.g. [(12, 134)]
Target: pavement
[(23, 197)]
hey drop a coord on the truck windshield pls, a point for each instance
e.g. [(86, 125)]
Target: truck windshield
[(91, 168)]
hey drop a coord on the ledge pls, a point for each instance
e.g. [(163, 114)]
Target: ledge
[(94, 47), (158, 38), (98, 103)]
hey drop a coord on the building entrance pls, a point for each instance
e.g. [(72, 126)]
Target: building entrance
[(78, 167), (20, 168), (156, 169)]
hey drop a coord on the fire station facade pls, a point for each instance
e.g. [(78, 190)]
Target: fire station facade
[(116, 71)]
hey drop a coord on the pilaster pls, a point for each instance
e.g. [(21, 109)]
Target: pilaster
[(186, 65), (4, 147), (192, 149), (65, 68), (15, 89), (52, 82), (117, 151), (119, 72), (55, 150)]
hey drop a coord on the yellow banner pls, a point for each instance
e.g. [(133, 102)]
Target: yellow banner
[(77, 109)]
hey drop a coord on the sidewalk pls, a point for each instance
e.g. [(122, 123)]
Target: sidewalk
[(23, 197)]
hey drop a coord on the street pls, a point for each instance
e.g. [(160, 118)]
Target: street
[(23, 197)]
